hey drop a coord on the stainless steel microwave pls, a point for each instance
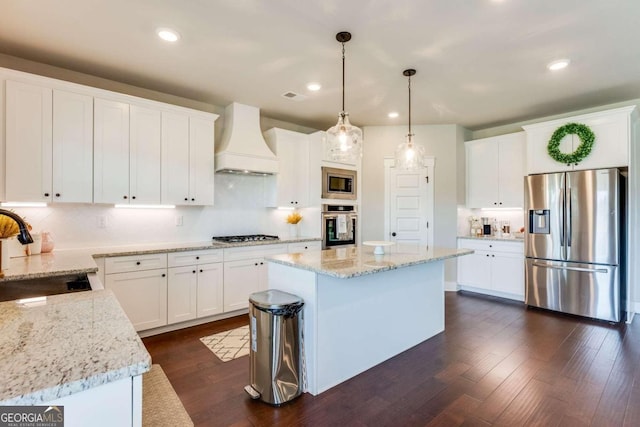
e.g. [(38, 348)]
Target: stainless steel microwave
[(339, 183)]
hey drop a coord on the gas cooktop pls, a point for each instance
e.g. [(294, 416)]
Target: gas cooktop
[(247, 238)]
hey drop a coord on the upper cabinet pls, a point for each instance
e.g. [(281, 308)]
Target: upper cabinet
[(64, 142), (612, 130), (187, 160), (292, 180), (49, 144), (495, 171)]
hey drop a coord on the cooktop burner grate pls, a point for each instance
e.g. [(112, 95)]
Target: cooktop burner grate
[(246, 238)]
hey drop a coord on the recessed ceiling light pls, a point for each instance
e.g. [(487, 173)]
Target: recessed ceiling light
[(393, 115), (167, 34), (558, 64), (313, 86)]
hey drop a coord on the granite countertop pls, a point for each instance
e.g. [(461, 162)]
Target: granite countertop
[(81, 261), (358, 261), (495, 238), (65, 345)]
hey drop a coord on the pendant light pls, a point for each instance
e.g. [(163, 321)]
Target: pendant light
[(343, 141), (409, 156)]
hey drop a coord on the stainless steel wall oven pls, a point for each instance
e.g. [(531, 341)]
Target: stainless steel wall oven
[(339, 226)]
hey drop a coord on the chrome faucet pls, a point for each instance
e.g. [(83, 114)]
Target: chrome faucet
[(23, 237)]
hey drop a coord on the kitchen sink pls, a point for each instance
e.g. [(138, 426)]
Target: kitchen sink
[(30, 288)]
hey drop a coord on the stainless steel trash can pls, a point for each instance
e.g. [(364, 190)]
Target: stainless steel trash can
[(276, 337)]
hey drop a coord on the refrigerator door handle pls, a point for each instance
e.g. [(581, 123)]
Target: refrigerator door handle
[(568, 217), (560, 267), (562, 225)]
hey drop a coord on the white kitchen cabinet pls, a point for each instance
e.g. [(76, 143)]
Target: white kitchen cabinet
[(241, 279), (140, 284), (210, 289), (292, 179), (304, 247), (182, 294), (110, 151), (195, 284), (495, 268), (245, 272), (495, 171), (612, 129), (126, 153), (142, 295), (49, 145), (144, 155), (187, 160)]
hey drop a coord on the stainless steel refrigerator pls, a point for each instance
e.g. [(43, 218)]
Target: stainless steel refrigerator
[(574, 242)]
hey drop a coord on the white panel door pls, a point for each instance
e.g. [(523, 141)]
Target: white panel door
[(210, 289), (410, 208), (175, 159), (182, 294), (201, 155), (110, 152), (144, 151), (72, 147), (28, 142)]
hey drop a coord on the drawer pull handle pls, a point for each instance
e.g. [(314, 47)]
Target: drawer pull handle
[(137, 262), (197, 257), (164, 275)]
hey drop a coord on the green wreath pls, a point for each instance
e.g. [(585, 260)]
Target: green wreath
[(587, 139)]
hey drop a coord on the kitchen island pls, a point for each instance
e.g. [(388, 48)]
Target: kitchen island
[(362, 309)]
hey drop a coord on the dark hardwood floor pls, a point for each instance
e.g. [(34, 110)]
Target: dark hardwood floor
[(497, 363)]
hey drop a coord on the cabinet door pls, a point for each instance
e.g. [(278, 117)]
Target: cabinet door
[(111, 152), (144, 152), (182, 294), (175, 159), (475, 270), (142, 295), (292, 179), (511, 170), (611, 147), (210, 289), (482, 173), (201, 167), (507, 273), (28, 142), (241, 279), (72, 147)]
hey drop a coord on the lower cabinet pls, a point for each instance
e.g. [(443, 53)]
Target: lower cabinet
[(142, 295), (495, 268), (245, 272), (194, 291)]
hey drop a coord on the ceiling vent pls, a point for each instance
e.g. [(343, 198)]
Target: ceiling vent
[(294, 96)]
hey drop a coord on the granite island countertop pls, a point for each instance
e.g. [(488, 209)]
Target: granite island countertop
[(65, 345), (357, 261)]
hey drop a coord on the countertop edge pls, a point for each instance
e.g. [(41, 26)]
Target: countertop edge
[(369, 270)]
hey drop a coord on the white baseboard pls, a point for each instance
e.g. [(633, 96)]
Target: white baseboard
[(451, 286), (189, 323)]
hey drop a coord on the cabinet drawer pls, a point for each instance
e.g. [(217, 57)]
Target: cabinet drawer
[(304, 246), (247, 252), (515, 247), (124, 264), (178, 259)]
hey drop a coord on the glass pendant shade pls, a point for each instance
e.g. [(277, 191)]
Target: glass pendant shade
[(344, 141), (409, 156)]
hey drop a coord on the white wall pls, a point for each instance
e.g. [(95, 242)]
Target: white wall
[(445, 144)]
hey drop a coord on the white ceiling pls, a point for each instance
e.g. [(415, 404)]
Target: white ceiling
[(480, 62)]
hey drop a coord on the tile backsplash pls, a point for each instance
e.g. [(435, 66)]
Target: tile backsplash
[(514, 216), (239, 209)]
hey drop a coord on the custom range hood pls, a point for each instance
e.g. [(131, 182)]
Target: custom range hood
[(243, 149)]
